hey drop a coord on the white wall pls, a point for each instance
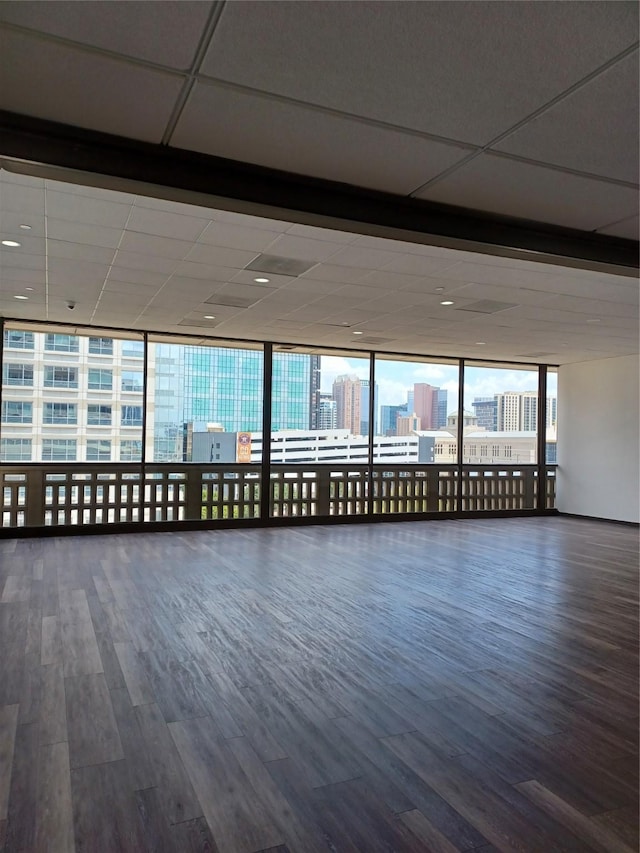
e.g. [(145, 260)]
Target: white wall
[(598, 438)]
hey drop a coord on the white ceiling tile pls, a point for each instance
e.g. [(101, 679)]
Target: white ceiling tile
[(624, 290), (628, 228), (300, 248), (10, 222), (21, 199), (161, 223), (420, 65), (95, 193), (137, 276), (28, 246), (313, 233), (171, 29), (80, 232), (420, 265), (237, 237), (10, 260), (280, 135), (114, 286), (364, 258), (499, 185), (78, 251), (145, 262), (392, 281), (121, 301), (236, 259), (84, 89), (249, 277), (593, 307), (332, 272), (487, 274), (250, 221), (190, 269), (567, 135), (519, 295), (63, 270), (159, 247), (19, 274), (84, 209)]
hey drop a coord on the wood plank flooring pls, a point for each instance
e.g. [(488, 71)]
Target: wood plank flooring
[(432, 686)]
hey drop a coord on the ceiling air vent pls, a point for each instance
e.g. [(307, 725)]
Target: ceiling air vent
[(534, 354), (232, 301), (487, 306), (373, 341), (279, 266)]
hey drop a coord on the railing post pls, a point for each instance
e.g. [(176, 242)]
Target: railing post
[(433, 488), (529, 490), (324, 490), (35, 497), (193, 493)]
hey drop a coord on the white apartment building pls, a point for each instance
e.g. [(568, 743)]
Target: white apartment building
[(71, 398)]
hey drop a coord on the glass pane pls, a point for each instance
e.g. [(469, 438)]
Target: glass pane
[(413, 404), (500, 415), (552, 416), (69, 398), (203, 402), (17, 339), (319, 408)]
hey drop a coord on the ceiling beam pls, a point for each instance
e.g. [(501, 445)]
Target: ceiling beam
[(41, 147)]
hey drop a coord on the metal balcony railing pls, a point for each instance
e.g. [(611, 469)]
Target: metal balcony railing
[(76, 494)]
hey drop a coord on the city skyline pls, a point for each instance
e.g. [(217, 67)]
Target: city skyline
[(80, 397)]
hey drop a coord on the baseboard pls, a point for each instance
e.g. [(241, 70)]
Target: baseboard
[(244, 524), (598, 518)]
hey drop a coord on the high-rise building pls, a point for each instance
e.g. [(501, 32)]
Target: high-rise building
[(552, 411), (486, 409), (516, 410), (71, 398), (326, 415), (347, 392), (224, 385), (430, 404), (407, 424), (423, 403), (364, 408), (439, 413), (389, 418), (314, 390)]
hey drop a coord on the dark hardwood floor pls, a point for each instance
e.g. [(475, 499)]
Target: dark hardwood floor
[(429, 686)]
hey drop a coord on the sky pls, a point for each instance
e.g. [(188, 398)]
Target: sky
[(395, 378)]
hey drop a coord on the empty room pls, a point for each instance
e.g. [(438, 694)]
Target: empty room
[(319, 434)]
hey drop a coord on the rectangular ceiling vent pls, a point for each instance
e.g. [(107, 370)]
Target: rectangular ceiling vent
[(284, 348), (203, 324), (487, 306), (232, 301), (279, 266), (373, 341), (534, 354)]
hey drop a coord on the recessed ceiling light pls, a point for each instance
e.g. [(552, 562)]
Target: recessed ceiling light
[(262, 280), (447, 302), (593, 321), (209, 316), (26, 227), (481, 343), (28, 288), (439, 289), (12, 243), (19, 296), (358, 333)]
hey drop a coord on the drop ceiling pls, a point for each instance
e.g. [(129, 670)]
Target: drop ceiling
[(523, 110), (140, 262)]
